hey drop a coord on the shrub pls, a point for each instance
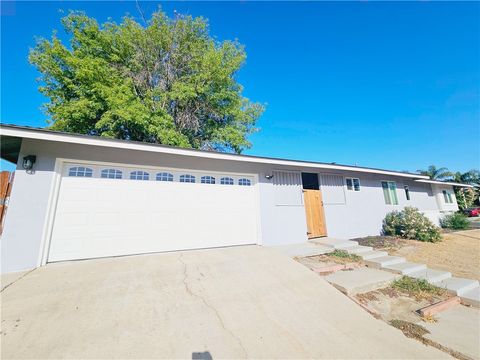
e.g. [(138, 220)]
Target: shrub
[(455, 221), (410, 224)]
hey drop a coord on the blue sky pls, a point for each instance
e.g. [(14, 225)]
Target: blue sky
[(388, 85)]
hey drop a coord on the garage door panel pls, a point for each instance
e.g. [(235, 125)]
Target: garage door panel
[(98, 217)]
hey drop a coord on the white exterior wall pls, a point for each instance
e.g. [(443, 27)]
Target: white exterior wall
[(363, 211), (32, 203), (281, 213)]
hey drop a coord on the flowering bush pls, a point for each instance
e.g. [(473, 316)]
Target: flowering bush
[(410, 224), (455, 221)]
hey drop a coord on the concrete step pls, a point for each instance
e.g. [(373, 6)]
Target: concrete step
[(383, 261), (405, 268), (359, 249), (336, 243), (471, 297), (458, 286), (372, 254), (360, 280), (432, 276)]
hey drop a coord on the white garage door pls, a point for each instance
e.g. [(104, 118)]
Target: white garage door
[(110, 210)]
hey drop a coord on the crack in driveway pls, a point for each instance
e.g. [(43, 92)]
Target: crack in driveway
[(211, 307)]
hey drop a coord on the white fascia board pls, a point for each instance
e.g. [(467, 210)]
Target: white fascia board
[(47, 135), (445, 183)]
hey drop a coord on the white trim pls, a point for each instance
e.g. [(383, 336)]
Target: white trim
[(51, 212), (444, 183), (46, 135), (258, 209)]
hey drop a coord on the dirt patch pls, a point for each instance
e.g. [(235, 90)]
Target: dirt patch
[(334, 259), (409, 329), (382, 242), (458, 252)]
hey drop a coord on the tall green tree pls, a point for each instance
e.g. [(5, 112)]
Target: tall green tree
[(436, 173), (166, 81)]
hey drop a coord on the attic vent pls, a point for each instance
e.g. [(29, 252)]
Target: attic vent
[(333, 191), (287, 186)]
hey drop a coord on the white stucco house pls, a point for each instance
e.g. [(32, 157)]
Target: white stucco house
[(89, 197)]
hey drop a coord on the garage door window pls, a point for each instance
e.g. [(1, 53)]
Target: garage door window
[(187, 178), (226, 181), (164, 176), (80, 171), (139, 175), (111, 174), (244, 182), (207, 180)]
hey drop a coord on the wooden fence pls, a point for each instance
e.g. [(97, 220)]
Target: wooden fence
[(6, 181)]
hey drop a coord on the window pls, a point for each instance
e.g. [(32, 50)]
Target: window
[(226, 181), (207, 180), (390, 192), (310, 181), (353, 184), (407, 192), (187, 178), (139, 175), (244, 182), (111, 174), (164, 176), (447, 196), (80, 171)]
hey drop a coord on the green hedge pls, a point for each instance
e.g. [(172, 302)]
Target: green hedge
[(455, 221)]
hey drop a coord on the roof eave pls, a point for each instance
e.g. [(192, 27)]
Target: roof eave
[(48, 135)]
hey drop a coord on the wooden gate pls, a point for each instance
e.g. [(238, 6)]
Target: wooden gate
[(316, 226), (6, 180)]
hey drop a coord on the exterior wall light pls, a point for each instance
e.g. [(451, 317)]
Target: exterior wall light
[(269, 177), (28, 162)]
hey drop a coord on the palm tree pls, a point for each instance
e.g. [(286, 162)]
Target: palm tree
[(471, 177), (436, 174)]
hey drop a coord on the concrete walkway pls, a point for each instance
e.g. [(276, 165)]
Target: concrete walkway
[(468, 290), (239, 302)]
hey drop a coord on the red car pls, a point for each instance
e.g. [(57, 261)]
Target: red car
[(472, 212)]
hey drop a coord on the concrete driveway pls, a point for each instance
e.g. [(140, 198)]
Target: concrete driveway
[(239, 302)]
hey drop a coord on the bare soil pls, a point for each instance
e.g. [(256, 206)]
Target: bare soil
[(458, 252), (382, 242)]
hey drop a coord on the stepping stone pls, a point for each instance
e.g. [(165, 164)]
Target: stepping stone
[(458, 286), (405, 268), (372, 254), (383, 261), (335, 243), (302, 249), (359, 249), (471, 297), (360, 280), (432, 276)]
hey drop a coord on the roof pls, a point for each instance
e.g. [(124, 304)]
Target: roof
[(428, 181), (10, 132)]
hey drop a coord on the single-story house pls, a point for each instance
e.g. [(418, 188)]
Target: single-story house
[(79, 197)]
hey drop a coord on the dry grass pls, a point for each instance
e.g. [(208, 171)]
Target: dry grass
[(410, 330), (458, 252)]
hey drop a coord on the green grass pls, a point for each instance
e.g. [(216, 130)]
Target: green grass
[(417, 288), (344, 255)]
